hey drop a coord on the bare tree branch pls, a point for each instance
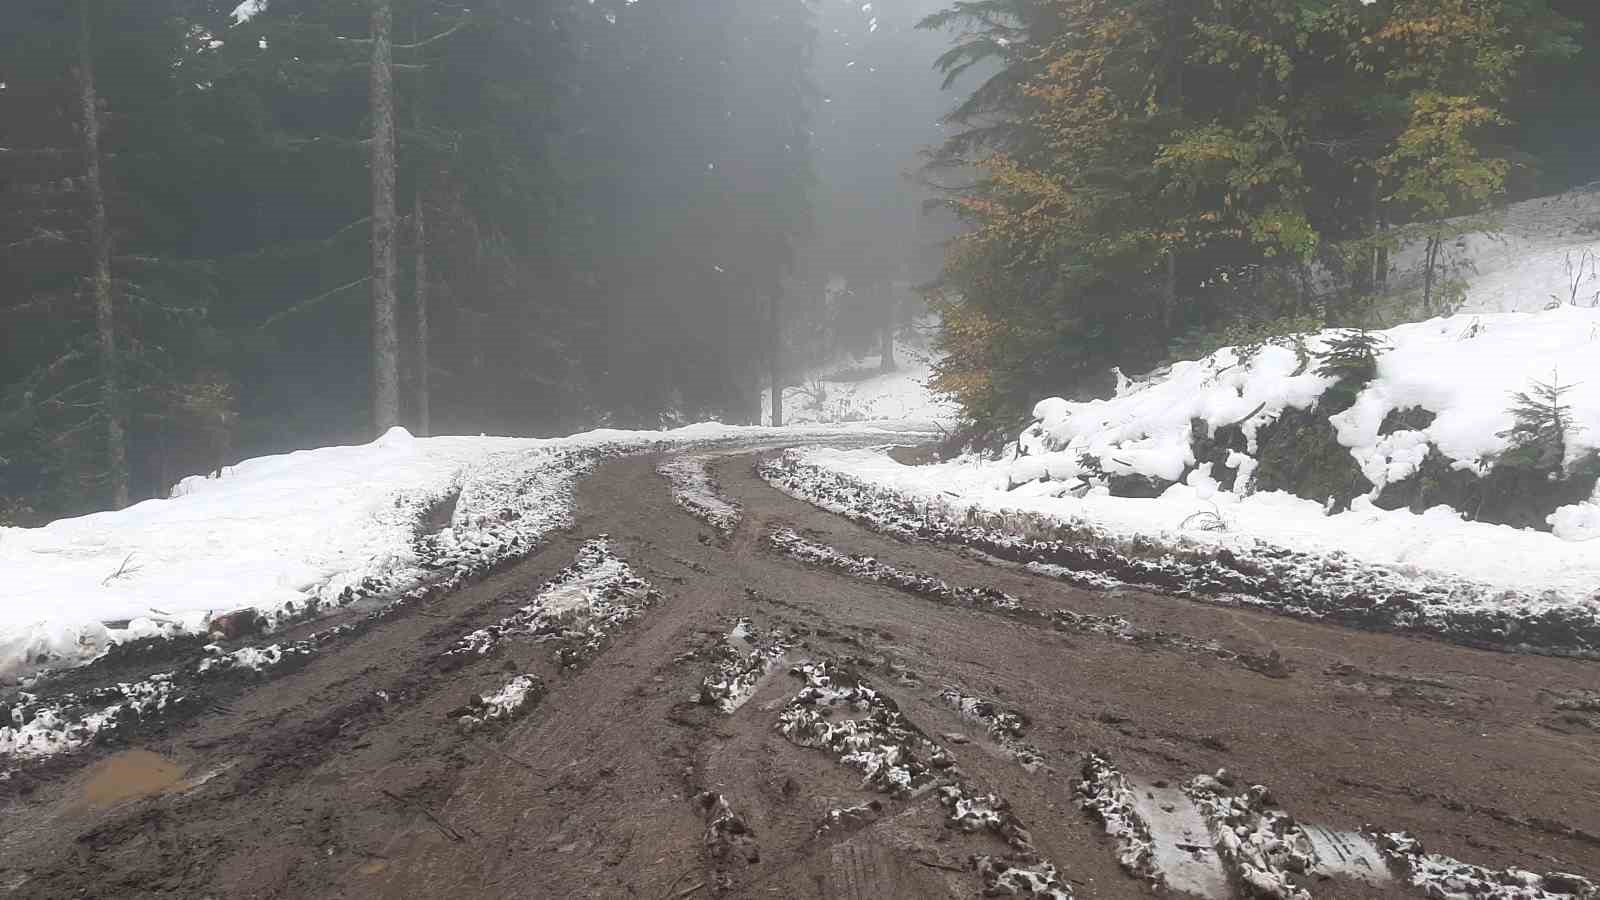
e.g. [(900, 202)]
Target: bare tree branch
[(307, 304), (464, 21)]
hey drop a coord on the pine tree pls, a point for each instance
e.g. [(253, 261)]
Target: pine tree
[(1165, 169), (1352, 356), (1542, 423)]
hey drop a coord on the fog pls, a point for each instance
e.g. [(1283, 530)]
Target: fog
[(878, 238)]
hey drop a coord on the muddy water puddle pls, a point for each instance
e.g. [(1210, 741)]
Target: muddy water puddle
[(135, 774)]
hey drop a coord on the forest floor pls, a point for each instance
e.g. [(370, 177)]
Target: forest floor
[(692, 710)]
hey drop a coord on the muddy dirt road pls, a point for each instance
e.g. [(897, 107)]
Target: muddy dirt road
[(687, 714)]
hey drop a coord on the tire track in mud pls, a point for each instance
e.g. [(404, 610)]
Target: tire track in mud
[(275, 754), (657, 765)]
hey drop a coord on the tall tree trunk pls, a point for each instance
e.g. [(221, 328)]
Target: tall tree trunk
[(385, 330), (1427, 277), (105, 319), (420, 247), (775, 358), (424, 412), (1371, 278), (1382, 279)]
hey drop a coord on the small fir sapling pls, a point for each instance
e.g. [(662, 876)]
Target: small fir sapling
[(1351, 358), (1542, 422)]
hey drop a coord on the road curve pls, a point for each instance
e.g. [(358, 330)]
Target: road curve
[(353, 774)]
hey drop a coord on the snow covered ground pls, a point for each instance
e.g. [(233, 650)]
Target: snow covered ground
[(1462, 368), (1546, 250), (901, 394), (296, 533)]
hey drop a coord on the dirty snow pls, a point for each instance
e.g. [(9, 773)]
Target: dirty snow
[(1451, 879), (504, 704), (294, 533), (1435, 545), (1201, 838), (39, 730), (865, 730), (254, 659), (744, 658), (695, 490), (580, 606), (1304, 578), (1265, 847)]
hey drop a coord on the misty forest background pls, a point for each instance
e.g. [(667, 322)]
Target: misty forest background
[(224, 238)]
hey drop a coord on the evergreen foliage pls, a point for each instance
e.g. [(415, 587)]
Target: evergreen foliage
[(1542, 424), (611, 191), (1352, 356), (1150, 171)]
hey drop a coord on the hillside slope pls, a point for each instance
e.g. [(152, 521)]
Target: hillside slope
[(1250, 449)]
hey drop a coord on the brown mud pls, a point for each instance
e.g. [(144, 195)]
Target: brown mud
[(348, 776)]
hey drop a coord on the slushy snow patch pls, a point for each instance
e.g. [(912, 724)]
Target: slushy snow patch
[(694, 489), (502, 705), (587, 600)]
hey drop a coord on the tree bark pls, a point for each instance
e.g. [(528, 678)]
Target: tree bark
[(1427, 277), (100, 268), (420, 248), (775, 358), (385, 330), (1370, 278), (424, 412), (1382, 275)]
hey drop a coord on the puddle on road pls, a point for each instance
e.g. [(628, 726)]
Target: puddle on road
[(128, 776)]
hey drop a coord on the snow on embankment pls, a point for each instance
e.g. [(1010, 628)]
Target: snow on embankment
[(1460, 370), (296, 533), (1458, 373)]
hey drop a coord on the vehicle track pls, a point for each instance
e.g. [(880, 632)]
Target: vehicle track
[(350, 775)]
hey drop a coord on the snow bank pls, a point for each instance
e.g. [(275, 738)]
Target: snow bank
[(1462, 368), (291, 533), (1435, 546)]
